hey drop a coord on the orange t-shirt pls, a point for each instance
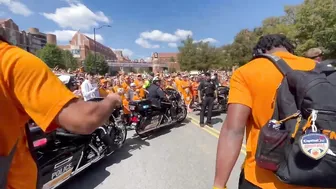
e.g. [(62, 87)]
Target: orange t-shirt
[(126, 106), (194, 87), (103, 92), (254, 85), (125, 86), (136, 97), (187, 96), (139, 85), (28, 88), (178, 85)]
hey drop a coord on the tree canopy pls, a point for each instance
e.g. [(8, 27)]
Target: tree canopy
[(54, 56), (310, 24), (95, 66)]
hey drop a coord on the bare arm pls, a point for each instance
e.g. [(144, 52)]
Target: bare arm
[(230, 141), (83, 117), (232, 132)]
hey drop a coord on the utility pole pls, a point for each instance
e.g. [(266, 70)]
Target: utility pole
[(95, 45)]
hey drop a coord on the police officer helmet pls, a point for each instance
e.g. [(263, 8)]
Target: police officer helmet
[(156, 79)]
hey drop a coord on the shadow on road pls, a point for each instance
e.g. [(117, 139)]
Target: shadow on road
[(165, 130), (214, 113), (97, 173), (216, 120)]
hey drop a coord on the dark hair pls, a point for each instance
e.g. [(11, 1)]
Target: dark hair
[(268, 42), (91, 73)]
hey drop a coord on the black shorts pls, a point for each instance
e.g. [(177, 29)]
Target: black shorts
[(244, 184)]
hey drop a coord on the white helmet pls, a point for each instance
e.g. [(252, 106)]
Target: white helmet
[(155, 79)]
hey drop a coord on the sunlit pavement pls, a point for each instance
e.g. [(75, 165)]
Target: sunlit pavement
[(173, 158)]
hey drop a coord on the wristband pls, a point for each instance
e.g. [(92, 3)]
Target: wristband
[(219, 188)]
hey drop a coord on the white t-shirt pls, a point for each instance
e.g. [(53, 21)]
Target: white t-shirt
[(89, 90)]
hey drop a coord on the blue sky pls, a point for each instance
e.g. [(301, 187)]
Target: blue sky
[(143, 27)]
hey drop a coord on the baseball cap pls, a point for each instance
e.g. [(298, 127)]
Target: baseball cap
[(314, 52)]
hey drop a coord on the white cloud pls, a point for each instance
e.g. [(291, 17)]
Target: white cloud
[(66, 35), (77, 16), (183, 34), (145, 44), (172, 45), (125, 52), (148, 59), (207, 40), (157, 35), (17, 7)]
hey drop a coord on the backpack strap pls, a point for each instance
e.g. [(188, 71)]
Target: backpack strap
[(283, 67), (278, 62)]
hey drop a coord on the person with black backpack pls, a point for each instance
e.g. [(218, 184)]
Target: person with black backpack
[(286, 106)]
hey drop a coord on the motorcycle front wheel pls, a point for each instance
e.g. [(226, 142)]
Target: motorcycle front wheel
[(181, 116), (121, 133)]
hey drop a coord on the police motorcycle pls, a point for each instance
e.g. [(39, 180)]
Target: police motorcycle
[(146, 118), (223, 94), (221, 104), (60, 155)]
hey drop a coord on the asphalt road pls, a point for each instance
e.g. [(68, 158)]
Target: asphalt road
[(179, 157)]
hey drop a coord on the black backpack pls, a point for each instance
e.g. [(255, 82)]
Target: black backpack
[(299, 142)]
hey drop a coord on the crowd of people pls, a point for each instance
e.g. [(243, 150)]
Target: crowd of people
[(133, 86), (28, 89)]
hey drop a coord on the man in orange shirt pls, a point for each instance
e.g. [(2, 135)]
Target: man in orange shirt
[(186, 91), (29, 89), (139, 82), (178, 83), (252, 90)]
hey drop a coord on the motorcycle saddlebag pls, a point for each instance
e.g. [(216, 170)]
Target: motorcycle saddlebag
[(140, 105)]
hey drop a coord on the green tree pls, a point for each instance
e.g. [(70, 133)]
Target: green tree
[(172, 59), (99, 66), (51, 55), (198, 56), (316, 26), (310, 24), (69, 61), (187, 55)]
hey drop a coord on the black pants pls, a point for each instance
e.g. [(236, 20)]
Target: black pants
[(207, 102), (244, 184)]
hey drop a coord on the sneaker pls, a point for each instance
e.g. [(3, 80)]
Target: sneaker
[(202, 124), (209, 125)]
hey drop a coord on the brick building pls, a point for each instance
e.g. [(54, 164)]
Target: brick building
[(31, 41), (165, 58), (38, 39), (81, 45), (121, 57)]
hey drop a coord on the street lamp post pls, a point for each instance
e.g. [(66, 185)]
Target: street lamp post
[(95, 43)]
